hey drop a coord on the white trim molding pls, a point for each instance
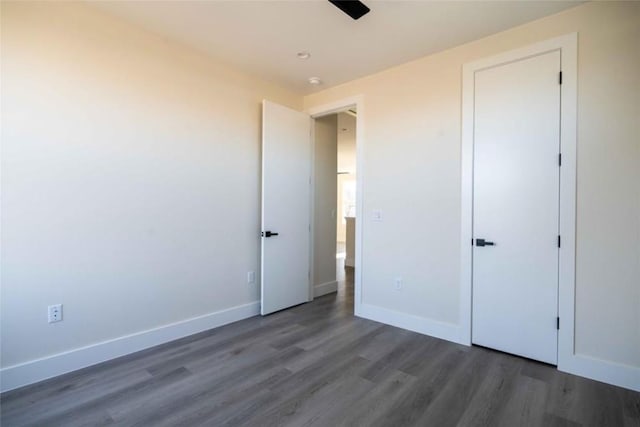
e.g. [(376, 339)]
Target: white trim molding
[(16, 376), (568, 360), (568, 47), (603, 370), (325, 288), (422, 325), (336, 107)]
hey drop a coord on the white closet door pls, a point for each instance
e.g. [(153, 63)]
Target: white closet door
[(516, 207)]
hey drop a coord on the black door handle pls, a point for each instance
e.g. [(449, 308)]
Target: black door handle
[(482, 242), (268, 234)]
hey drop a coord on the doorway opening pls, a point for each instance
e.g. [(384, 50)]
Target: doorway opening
[(335, 203), (346, 201), (300, 206)]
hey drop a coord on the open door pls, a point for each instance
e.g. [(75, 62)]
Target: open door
[(286, 207)]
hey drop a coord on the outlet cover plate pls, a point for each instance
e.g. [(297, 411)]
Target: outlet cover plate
[(55, 313)]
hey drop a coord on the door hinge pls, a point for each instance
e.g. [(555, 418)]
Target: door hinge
[(560, 78), (560, 159), (558, 240), (557, 323)]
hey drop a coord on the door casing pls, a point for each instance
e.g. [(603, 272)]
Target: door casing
[(567, 45)]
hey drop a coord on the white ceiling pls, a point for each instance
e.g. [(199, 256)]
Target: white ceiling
[(263, 37)]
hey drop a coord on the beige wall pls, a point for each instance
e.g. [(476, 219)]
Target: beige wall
[(346, 143), (130, 179), (324, 170), (412, 116), (346, 163)]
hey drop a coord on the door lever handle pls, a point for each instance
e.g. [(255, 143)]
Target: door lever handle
[(482, 242), (268, 234)]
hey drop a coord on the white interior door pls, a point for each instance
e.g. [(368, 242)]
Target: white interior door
[(516, 207), (286, 207)]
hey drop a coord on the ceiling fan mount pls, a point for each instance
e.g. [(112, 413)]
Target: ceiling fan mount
[(354, 8)]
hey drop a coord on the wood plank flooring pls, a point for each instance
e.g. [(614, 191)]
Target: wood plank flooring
[(318, 365)]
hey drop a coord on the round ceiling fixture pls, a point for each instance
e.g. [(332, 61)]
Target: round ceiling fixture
[(315, 81), (303, 55)]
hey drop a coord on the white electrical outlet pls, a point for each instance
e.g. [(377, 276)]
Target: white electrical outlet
[(376, 215), (251, 277), (55, 313), (398, 283)]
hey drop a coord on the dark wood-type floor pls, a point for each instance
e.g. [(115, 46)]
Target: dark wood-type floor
[(317, 364)]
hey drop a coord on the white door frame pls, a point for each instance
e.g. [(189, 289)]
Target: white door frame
[(568, 47), (331, 108)]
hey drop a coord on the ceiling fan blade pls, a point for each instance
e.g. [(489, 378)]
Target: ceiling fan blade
[(353, 8)]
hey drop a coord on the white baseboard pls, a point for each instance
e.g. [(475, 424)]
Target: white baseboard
[(602, 370), (325, 288), (16, 376), (33, 371), (434, 328)]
